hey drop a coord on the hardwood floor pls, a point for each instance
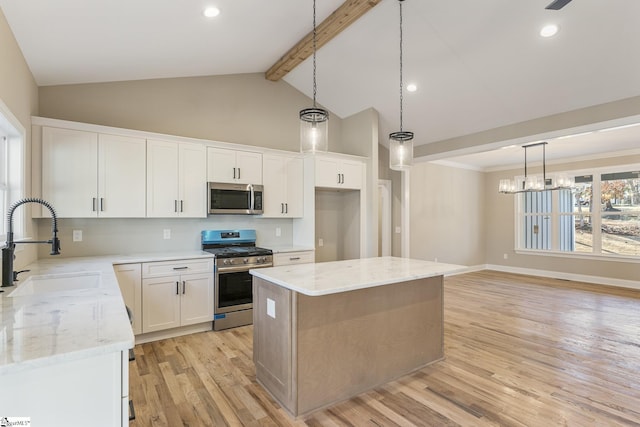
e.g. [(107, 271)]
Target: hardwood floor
[(520, 351)]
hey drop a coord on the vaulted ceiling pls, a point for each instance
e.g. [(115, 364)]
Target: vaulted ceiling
[(477, 65)]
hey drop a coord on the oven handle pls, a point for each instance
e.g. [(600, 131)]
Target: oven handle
[(222, 270)]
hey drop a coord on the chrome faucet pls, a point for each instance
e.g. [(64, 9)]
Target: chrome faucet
[(8, 275)]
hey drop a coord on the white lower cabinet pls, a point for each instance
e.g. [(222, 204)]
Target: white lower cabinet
[(176, 293), (130, 281), (83, 392)]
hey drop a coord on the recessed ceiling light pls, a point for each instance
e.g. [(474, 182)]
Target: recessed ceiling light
[(549, 30), (412, 87), (211, 12)]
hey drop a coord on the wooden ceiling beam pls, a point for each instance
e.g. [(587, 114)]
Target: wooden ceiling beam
[(335, 23)]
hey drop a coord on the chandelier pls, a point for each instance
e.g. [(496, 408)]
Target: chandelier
[(533, 183)]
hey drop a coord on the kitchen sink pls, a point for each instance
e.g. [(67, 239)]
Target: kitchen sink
[(49, 283)]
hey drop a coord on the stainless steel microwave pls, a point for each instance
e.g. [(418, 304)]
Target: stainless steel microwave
[(243, 199)]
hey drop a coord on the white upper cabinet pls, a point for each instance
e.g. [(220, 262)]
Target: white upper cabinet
[(283, 186), (176, 179), (338, 173), (86, 174), (121, 176), (232, 166)]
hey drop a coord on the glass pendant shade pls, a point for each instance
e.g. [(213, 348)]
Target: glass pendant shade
[(400, 151), (314, 130)]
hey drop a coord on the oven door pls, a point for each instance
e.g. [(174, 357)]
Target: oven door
[(233, 289)]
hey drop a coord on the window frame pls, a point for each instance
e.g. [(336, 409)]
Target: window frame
[(13, 164), (596, 218)]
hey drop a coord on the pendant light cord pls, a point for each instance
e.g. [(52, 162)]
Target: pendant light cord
[(401, 91), (315, 87)]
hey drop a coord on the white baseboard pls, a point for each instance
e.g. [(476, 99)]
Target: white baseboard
[(469, 269), (599, 280)]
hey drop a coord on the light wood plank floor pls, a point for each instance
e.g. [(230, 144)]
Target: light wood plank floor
[(520, 351)]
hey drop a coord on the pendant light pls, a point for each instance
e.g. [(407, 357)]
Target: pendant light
[(314, 121), (401, 142), (533, 183)]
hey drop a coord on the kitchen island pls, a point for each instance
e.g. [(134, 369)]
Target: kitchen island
[(329, 331)]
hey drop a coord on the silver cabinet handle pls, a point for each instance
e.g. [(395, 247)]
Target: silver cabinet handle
[(101, 204), (181, 205), (238, 173), (338, 178), (234, 173), (180, 268), (93, 205), (286, 208), (177, 288), (294, 258), (175, 206), (281, 208), (184, 287)]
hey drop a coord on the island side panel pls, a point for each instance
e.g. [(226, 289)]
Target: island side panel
[(351, 342), (273, 346)]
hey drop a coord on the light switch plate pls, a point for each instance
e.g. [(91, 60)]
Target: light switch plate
[(166, 233), (271, 308), (77, 235), (278, 232)]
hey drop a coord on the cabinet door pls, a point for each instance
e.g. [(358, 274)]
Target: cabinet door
[(294, 185), (351, 174), (221, 165), (121, 176), (193, 181), (162, 179), (248, 167), (130, 281), (196, 299), (274, 185), (161, 303), (70, 172), (327, 174)]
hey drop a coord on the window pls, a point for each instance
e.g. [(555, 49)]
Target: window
[(4, 181), (601, 216), (11, 169)]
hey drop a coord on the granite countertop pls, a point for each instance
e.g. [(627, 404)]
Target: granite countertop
[(53, 327), (343, 276)]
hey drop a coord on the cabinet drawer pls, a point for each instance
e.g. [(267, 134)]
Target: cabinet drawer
[(187, 266), (288, 258)]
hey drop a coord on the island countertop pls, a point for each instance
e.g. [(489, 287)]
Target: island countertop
[(342, 276)]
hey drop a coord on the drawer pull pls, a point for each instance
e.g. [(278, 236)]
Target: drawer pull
[(177, 288), (184, 287), (180, 268), (294, 258)]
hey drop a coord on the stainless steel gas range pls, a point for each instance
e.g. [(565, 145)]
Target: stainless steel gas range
[(236, 253)]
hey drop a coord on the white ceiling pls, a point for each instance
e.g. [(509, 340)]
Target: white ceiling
[(478, 64)]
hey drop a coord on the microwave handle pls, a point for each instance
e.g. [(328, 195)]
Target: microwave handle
[(252, 202)]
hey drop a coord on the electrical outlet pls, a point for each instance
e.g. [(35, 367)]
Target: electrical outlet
[(398, 230), (77, 235), (278, 232), (435, 259), (320, 242), (166, 233), (506, 256)]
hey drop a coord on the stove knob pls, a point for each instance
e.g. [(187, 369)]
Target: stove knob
[(261, 260), (226, 262), (246, 260)]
